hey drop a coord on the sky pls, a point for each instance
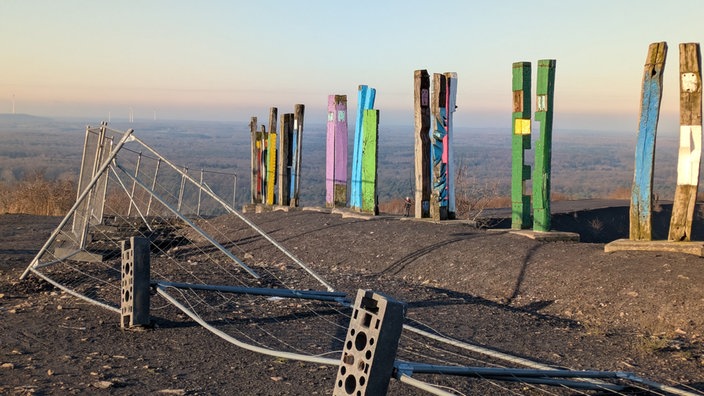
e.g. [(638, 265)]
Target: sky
[(229, 60)]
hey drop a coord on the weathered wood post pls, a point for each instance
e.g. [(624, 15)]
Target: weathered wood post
[(520, 141), (438, 198), (422, 143), (336, 152), (255, 160), (449, 146), (543, 149), (651, 96), (271, 158), (296, 148), (284, 157), (370, 139), (365, 101), (690, 151)]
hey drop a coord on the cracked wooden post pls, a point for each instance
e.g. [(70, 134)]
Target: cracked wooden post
[(690, 151), (296, 150), (449, 146), (284, 157), (336, 152), (520, 142), (370, 138), (651, 97), (544, 91), (271, 158), (442, 107), (255, 177), (421, 83), (365, 101)]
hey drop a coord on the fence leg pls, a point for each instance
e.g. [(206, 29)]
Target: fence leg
[(365, 101), (520, 142), (370, 347), (285, 161), (135, 283), (439, 197), (271, 158)]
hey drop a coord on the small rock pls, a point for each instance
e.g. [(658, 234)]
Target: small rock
[(633, 293), (50, 372), (2, 295), (59, 307), (277, 379), (172, 391), (103, 384), (8, 366)]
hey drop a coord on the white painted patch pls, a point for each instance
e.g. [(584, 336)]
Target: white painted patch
[(690, 82), (542, 103), (690, 155)]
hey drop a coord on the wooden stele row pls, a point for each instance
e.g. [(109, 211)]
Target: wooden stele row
[(521, 140), (276, 159)]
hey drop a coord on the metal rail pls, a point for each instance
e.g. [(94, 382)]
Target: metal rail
[(128, 136), (191, 224), (242, 217), (261, 291), (235, 341)]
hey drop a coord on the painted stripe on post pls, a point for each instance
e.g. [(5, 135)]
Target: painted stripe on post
[(369, 160), (690, 152), (651, 96)]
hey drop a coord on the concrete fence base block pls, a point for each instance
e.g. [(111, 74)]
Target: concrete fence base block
[(695, 248)]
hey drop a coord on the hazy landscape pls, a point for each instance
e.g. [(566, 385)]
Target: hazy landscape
[(586, 164)]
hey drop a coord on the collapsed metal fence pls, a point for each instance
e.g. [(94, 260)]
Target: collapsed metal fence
[(213, 264)]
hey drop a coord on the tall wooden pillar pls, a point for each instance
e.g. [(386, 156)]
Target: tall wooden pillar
[(543, 149), (651, 97), (423, 178), (690, 152), (370, 139), (520, 142), (271, 158), (296, 149), (284, 155), (365, 101), (336, 152)]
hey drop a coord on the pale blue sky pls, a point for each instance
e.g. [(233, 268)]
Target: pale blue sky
[(228, 60)]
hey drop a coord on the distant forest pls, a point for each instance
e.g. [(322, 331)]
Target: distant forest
[(586, 164)]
